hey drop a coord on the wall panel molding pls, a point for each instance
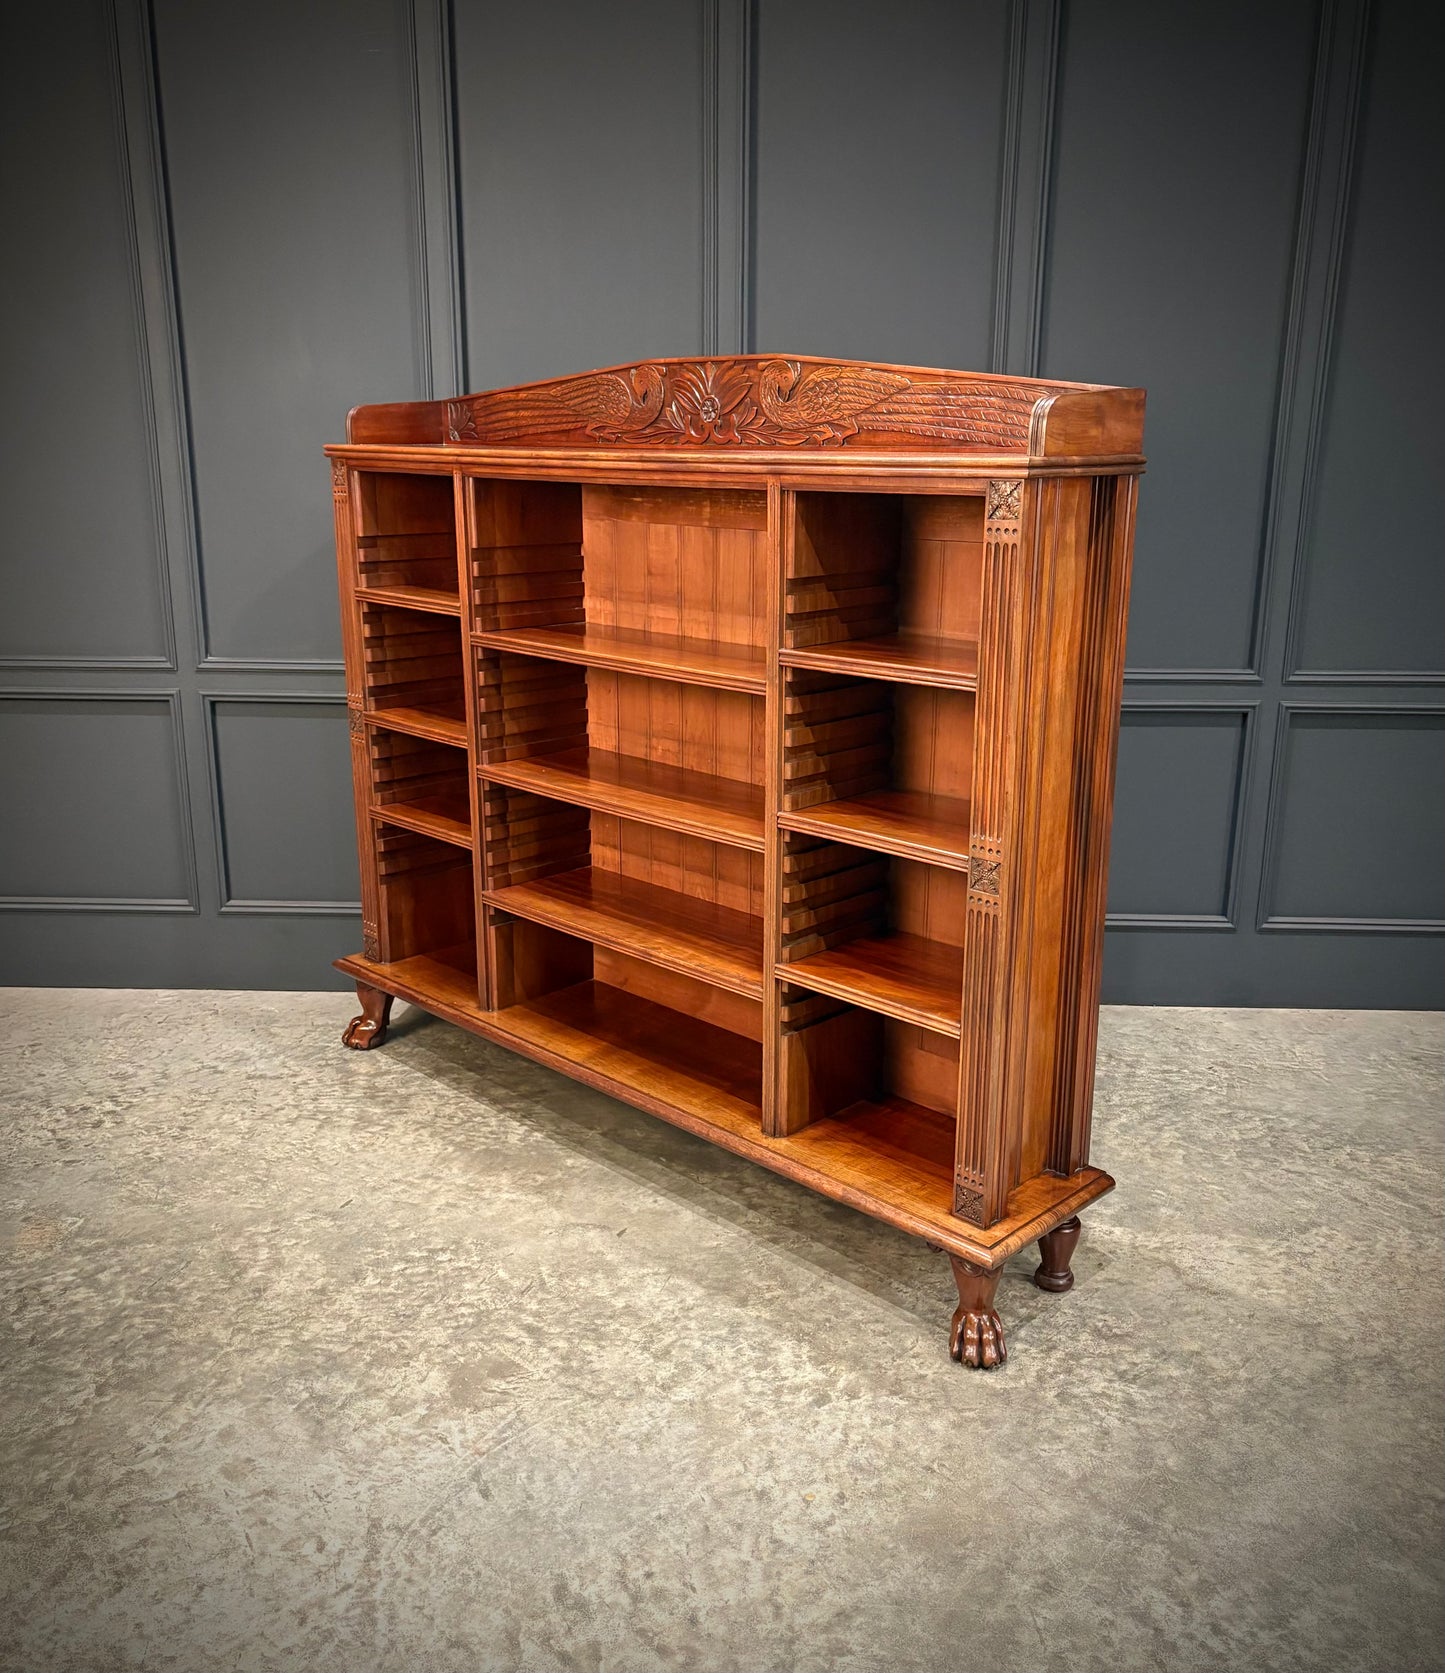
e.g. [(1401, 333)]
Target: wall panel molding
[(186, 904), (1031, 72), (131, 106), (1228, 919), (1355, 829), (227, 901), (441, 343), (728, 34)]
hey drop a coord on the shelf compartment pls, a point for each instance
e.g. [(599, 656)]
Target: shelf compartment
[(649, 1049), (904, 822), (661, 926), (406, 543), (900, 975), (412, 671), (720, 809), (427, 902), (657, 750), (525, 556), (886, 587), (707, 662), (421, 785), (885, 934), (862, 1082), (913, 658)]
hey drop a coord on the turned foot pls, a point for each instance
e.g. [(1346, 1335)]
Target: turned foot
[(977, 1337), (1057, 1249), (369, 1029)]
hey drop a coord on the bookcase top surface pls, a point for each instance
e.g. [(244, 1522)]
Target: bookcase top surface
[(792, 409)]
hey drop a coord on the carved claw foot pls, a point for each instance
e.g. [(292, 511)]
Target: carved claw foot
[(369, 1029), (1057, 1249), (977, 1335)]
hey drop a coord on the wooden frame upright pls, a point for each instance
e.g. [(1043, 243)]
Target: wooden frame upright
[(737, 735)]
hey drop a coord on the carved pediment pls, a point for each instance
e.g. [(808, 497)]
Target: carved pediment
[(754, 401)]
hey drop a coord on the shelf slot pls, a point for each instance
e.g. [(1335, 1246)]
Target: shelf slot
[(666, 656), (720, 809), (695, 937)]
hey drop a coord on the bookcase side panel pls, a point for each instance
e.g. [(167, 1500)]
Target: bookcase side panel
[(347, 575)]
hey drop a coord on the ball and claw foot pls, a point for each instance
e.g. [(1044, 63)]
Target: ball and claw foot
[(977, 1335), (369, 1029), (1056, 1249)]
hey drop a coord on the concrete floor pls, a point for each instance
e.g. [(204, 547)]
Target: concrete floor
[(430, 1359)]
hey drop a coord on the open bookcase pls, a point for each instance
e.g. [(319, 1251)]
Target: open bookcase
[(738, 736)]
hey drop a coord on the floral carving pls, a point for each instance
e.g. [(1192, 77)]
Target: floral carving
[(339, 485), (461, 421), (751, 402), (1003, 501), (983, 875)]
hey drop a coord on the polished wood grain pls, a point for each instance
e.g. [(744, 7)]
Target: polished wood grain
[(723, 810), (710, 662), (913, 657), (906, 822), (901, 975), (698, 937), (737, 735), (1056, 1251)]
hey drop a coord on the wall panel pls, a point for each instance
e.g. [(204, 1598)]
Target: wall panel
[(305, 859), (1178, 154), (228, 224), (84, 581), (1180, 800), (1371, 593), (580, 148), (878, 147), (290, 141), (99, 783)]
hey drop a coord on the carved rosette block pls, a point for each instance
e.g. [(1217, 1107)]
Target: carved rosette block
[(340, 472), (1056, 1250), (976, 1337), (369, 1029)]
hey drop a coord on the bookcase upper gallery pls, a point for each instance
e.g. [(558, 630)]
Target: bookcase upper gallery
[(737, 735)]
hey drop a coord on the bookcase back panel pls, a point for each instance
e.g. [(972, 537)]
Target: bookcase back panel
[(525, 556), (689, 865), (940, 572), (691, 563), (733, 1012), (721, 733), (933, 741)]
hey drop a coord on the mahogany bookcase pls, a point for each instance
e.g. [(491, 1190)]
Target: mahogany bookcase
[(738, 736)]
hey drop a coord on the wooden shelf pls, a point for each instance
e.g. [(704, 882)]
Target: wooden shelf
[(664, 656), (447, 818), (712, 1074), (430, 599), (713, 943), (443, 726), (903, 976), (914, 658), (904, 822), (721, 809)]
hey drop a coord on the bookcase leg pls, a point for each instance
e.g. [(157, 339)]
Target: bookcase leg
[(977, 1336), (1057, 1249), (369, 1029)]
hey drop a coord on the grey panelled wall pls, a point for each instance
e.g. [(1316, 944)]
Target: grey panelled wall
[(251, 218)]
